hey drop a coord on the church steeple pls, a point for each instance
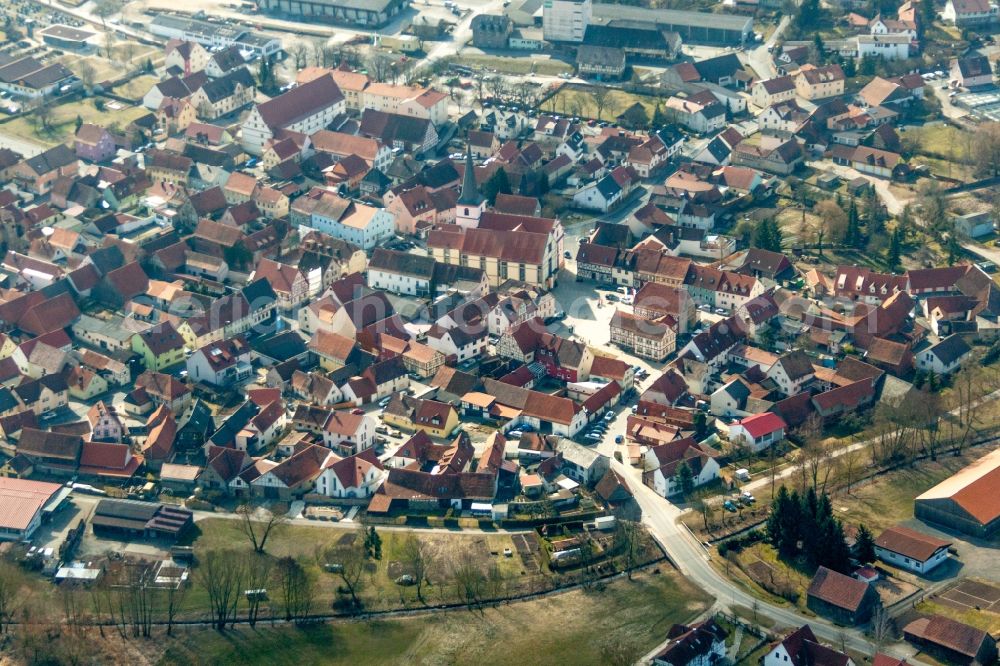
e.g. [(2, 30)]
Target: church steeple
[(471, 204), (470, 192)]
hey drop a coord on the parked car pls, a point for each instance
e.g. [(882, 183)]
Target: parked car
[(729, 505), (610, 416), (514, 434)]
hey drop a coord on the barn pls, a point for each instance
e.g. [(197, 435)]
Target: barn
[(968, 501)]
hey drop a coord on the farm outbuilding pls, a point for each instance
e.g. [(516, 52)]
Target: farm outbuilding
[(967, 501)]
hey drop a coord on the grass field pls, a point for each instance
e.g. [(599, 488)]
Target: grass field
[(137, 87), (64, 119), (310, 544), (565, 628), (944, 148), (502, 65), (576, 100)]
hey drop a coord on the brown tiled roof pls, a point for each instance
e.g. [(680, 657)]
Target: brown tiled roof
[(910, 543), (613, 487), (104, 455), (43, 444), (161, 428), (885, 351), (49, 315), (344, 423), (128, 281), (226, 462), (302, 466), (351, 470), (162, 338), (410, 484), (612, 368), (646, 328), (299, 102), (332, 345), (847, 397), (339, 143), (90, 134), (948, 633), (837, 589), (162, 385), (533, 403)]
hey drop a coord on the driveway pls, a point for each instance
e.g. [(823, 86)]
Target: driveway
[(892, 203)]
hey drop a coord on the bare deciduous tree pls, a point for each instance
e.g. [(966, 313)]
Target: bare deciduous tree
[(258, 524), (129, 49), (221, 574), (299, 51), (173, 601), (832, 224), (258, 576), (497, 86), (380, 67), (986, 149), (964, 423), (415, 554), (628, 543), (849, 460), (297, 589), (881, 627), (600, 97), (469, 580), (352, 564), (42, 112), (87, 75)]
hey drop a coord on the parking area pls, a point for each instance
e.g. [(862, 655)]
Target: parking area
[(52, 533)]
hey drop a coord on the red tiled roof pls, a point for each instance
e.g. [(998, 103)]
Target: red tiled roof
[(759, 425)]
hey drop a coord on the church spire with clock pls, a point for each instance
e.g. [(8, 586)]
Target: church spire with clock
[(471, 204)]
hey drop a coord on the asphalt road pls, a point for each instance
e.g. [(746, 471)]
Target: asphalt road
[(693, 561), (759, 58)]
